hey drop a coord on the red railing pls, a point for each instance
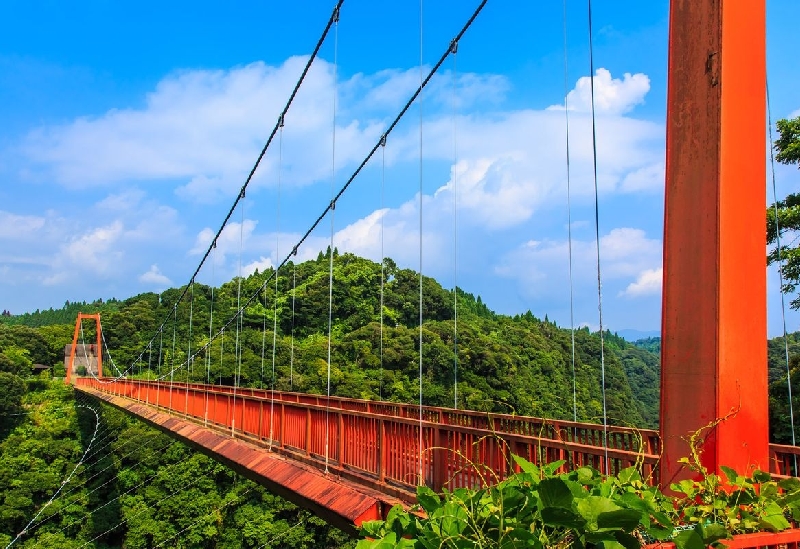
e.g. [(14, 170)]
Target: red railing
[(385, 443)]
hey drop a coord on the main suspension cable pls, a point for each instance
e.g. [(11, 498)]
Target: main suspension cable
[(358, 170), (274, 131)]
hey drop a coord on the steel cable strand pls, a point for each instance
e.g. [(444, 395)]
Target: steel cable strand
[(454, 50), (780, 274), (252, 172), (331, 247), (121, 458), (275, 301), (597, 237), (64, 482), (189, 352), (126, 492), (421, 478), (569, 225), (291, 353), (239, 315), (353, 176), (210, 333), (99, 486), (120, 523), (383, 253)]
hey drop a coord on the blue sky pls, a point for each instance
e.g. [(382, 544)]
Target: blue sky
[(125, 133)]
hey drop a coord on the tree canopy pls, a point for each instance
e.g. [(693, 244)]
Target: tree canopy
[(783, 217)]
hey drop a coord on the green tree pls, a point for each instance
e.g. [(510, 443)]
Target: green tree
[(787, 148), (12, 388)]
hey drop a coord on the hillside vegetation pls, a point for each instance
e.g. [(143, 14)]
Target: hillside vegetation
[(160, 492), (134, 488), (518, 364)]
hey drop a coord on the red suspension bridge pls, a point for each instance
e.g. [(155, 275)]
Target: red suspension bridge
[(350, 460)]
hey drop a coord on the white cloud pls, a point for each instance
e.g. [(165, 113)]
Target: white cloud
[(795, 114), (261, 264), (611, 95), (96, 252), (647, 283), (234, 237), (14, 226), (155, 277), (647, 178), (540, 267), (201, 130)]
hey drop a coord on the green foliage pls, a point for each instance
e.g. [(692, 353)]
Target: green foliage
[(64, 315), (787, 146), (540, 507), (517, 365), (12, 389), (650, 344), (138, 489), (785, 214)]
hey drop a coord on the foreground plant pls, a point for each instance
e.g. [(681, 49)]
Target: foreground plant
[(539, 507)]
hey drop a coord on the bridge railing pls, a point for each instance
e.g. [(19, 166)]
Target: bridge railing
[(589, 434), (386, 444)]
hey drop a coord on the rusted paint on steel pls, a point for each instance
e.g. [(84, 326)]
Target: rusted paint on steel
[(340, 502), (713, 365)]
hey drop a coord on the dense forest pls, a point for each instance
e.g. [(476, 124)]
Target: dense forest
[(520, 364), (121, 483)]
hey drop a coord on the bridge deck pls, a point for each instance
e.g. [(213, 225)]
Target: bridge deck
[(383, 448)]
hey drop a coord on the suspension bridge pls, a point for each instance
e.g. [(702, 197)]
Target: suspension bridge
[(350, 460)]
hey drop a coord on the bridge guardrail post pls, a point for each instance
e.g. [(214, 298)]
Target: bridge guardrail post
[(340, 442), (307, 444), (281, 436), (381, 451), (439, 457)]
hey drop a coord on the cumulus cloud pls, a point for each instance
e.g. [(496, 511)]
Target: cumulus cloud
[(204, 128), (647, 283), (234, 237), (261, 264), (647, 178), (155, 277), (199, 132), (539, 266), (611, 95), (13, 226), (96, 251)]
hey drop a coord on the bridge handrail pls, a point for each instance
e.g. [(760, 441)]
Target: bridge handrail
[(379, 442), (384, 449), (502, 423)]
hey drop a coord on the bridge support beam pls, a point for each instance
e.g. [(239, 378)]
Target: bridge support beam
[(713, 355), (70, 365)]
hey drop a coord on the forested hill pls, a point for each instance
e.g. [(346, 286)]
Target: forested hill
[(519, 364)]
